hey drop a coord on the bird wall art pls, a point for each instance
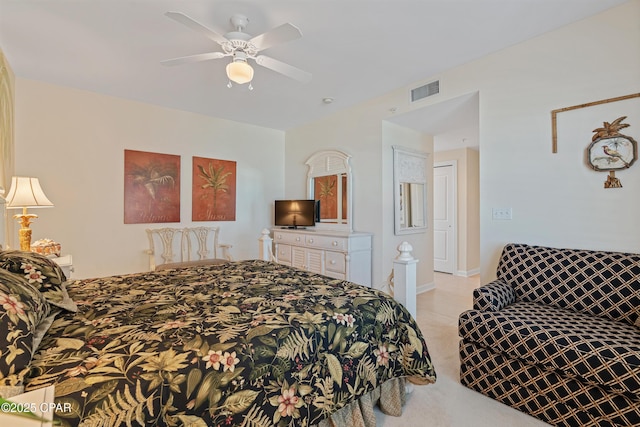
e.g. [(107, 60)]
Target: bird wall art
[(610, 151)]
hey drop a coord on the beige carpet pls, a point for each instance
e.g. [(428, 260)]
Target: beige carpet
[(447, 403)]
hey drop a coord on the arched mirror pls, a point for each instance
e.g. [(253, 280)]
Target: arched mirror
[(410, 190), (329, 183)]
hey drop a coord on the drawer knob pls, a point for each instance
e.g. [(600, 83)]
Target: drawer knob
[(310, 240), (333, 261), (334, 243), (297, 239)]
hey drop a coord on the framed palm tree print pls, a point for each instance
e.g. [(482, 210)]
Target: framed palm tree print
[(151, 187), (214, 190)]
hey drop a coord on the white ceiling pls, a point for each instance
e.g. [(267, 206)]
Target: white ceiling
[(355, 49)]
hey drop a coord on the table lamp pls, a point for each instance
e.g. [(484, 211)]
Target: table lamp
[(26, 193)]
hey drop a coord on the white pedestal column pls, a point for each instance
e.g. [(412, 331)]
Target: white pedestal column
[(266, 252), (404, 278)]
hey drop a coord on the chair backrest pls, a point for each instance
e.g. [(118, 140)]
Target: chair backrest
[(599, 283), (183, 245)]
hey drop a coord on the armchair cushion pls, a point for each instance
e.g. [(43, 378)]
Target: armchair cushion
[(592, 348)]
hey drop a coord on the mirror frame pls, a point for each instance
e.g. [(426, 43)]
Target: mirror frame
[(409, 166), (326, 163)]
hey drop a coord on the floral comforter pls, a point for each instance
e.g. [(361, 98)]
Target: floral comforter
[(247, 343)]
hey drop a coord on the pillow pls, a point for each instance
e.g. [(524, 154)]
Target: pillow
[(43, 328), (43, 273), (22, 309)]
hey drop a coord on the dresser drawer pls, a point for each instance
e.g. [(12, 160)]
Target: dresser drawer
[(291, 238), (326, 242), (284, 253), (335, 262)]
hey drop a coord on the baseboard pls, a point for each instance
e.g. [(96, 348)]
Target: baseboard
[(425, 287), (467, 273)]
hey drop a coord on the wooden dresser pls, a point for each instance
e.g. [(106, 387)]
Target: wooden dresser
[(336, 254)]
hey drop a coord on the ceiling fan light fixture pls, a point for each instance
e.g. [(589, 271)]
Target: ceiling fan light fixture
[(239, 71)]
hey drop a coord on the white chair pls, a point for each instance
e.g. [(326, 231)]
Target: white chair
[(183, 247)]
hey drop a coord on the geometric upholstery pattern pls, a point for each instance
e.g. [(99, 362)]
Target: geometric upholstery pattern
[(557, 336), (591, 348), (546, 394), (493, 297), (600, 283)]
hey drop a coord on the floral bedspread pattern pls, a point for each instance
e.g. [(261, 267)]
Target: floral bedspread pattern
[(247, 343)]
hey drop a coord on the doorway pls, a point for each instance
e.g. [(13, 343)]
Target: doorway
[(444, 217)]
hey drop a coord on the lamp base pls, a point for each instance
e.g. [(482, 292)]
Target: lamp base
[(25, 239), (25, 232)]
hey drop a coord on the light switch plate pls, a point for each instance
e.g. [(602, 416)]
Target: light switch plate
[(500, 214)]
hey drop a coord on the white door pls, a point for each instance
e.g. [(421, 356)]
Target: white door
[(444, 194)]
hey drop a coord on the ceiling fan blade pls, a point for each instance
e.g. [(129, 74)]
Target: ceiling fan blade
[(196, 26), (282, 68), (283, 33), (193, 58)]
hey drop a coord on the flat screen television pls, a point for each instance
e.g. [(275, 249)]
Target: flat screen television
[(296, 213)]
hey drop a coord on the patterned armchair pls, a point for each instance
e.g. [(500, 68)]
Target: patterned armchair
[(557, 336)]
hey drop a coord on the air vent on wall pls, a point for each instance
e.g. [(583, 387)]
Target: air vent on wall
[(422, 92)]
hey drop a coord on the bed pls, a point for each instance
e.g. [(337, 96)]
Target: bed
[(245, 343)]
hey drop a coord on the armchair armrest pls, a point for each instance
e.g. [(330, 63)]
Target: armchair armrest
[(493, 296)]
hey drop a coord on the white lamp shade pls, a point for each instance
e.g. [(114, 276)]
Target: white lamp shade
[(26, 192), (239, 72)]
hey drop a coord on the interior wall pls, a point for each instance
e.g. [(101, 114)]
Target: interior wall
[(468, 207), (473, 213), (422, 242), (359, 132), (74, 141), (556, 200)]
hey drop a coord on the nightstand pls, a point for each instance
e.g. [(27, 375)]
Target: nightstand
[(66, 264)]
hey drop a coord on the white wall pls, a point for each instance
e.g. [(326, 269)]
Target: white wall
[(422, 242), (356, 133), (74, 141), (556, 199), (361, 132)]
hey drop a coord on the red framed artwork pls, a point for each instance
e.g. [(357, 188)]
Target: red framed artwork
[(214, 190), (151, 187), (327, 192)]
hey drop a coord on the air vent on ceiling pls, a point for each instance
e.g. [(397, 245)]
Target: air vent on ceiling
[(422, 92)]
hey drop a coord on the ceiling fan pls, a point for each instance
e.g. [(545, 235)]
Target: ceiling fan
[(242, 47)]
